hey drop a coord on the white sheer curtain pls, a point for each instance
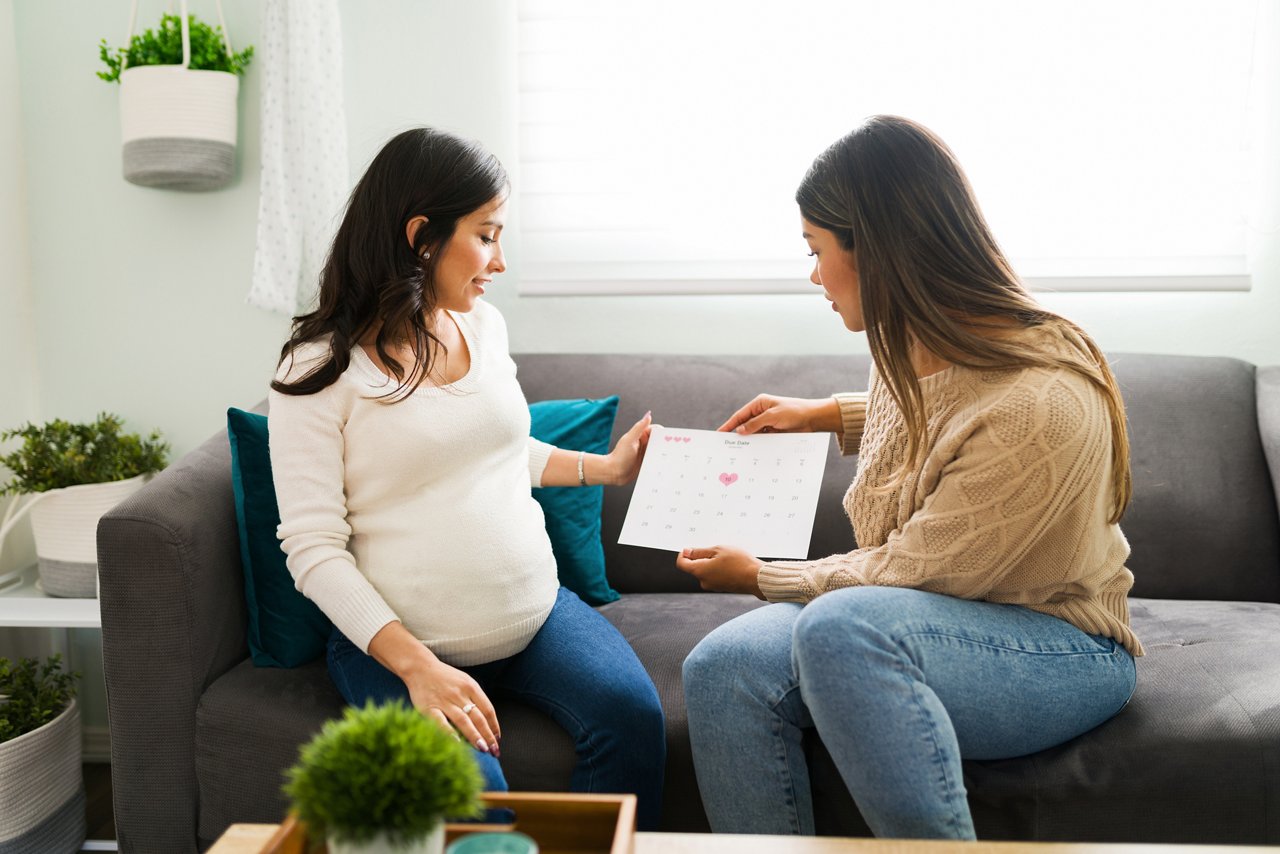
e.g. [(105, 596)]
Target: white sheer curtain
[(305, 173), (661, 142)]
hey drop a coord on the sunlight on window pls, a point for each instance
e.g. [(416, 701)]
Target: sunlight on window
[(664, 140)]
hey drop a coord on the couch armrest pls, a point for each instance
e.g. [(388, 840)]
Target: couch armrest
[(1269, 420), (173, 620)]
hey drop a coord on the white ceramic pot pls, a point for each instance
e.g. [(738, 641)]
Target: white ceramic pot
[(42, 788), (65, 524), (432, 843)]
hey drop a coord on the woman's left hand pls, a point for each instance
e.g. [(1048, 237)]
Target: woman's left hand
[(723, 569), (625, 458)]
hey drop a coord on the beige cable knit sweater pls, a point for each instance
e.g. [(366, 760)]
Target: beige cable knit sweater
[(1009, 505)]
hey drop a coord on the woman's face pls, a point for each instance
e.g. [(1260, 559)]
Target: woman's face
[(468, 262), (835, 270)]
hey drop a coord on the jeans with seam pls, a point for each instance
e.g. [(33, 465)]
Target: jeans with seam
[(578, 670), (900, 685)]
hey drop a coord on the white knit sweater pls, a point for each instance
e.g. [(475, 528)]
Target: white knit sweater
[(419, 510)]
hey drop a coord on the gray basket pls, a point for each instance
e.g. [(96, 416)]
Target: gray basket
[(175, 163)]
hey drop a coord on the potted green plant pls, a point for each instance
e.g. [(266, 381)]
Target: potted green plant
[(73, 473), (179, 86), (383, 779), (41, 783)]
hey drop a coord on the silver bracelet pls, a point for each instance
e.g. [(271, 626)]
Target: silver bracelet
[(582, 477)]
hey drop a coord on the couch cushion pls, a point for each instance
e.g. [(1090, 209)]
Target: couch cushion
[(1191, 759), (286, 629), (1203, 521), (571, 513)]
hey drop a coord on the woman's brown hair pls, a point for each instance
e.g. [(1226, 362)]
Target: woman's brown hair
[(930, 270), (373, 277)]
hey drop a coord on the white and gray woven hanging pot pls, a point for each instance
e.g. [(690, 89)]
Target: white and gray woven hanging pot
[(178, 124)]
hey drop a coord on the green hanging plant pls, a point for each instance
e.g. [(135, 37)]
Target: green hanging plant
[(164, 47)]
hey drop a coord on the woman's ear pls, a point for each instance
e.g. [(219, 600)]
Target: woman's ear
[(411, 229)]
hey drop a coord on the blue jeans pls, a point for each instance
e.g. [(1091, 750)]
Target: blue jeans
[(579, 671), (900, 686)]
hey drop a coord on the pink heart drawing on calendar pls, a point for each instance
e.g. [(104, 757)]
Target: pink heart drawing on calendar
[(687, 438), (728, 478), (667, 438)]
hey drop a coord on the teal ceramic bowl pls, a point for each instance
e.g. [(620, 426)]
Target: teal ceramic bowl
[(494, 843)]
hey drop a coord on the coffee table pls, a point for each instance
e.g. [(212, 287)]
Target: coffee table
[(250, 838)]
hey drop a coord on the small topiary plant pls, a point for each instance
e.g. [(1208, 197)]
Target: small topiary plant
[(61, 454), (383, 770), (32, 694), (164, 47)]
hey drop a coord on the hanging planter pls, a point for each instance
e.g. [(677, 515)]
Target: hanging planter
[(178, 105)]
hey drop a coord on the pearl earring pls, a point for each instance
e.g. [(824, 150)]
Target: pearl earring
[(425, 255)]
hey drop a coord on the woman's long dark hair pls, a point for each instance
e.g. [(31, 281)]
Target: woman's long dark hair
[(373, 277), (930, 269)]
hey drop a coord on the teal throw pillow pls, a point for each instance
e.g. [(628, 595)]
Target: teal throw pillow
[(573, 512), (286, 629)]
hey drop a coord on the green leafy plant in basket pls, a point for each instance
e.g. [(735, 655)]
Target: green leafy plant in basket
[(383, 772), (32, 694), (59, 454), (163, 46)]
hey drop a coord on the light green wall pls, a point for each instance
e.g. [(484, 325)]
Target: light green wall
[(139, 294), (17, 340)]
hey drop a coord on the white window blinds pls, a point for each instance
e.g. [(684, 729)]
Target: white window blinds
[(661, 142)]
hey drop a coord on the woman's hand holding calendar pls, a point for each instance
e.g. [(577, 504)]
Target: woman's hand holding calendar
[(768, 413), (723, 569)]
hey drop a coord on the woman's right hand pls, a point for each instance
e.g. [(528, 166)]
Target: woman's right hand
[(437, 690), (454, 700), (769, 413)]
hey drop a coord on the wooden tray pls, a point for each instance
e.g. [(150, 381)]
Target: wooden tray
[(559, 823)]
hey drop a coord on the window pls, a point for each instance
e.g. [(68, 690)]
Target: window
[(661, 142)]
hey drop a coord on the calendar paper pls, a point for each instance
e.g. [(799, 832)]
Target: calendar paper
[(705, 488)]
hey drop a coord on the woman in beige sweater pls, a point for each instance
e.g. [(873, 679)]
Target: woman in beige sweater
[(985, 613)]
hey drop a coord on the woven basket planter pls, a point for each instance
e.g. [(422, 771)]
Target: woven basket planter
[(65, 525), (178, 124), (178, 127), (42, 789)]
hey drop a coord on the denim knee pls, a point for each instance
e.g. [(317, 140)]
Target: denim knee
[(850, 617), (714, 660)]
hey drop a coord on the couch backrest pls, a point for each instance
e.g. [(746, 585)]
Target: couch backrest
[(1203, 523)]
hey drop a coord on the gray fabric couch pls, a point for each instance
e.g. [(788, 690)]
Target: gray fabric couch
[(199, 735)]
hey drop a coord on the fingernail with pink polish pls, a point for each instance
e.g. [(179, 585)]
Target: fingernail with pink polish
[(493, 748), (481, 745)]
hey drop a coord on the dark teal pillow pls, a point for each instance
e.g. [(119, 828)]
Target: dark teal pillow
[(286, 629), (573, 512)]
